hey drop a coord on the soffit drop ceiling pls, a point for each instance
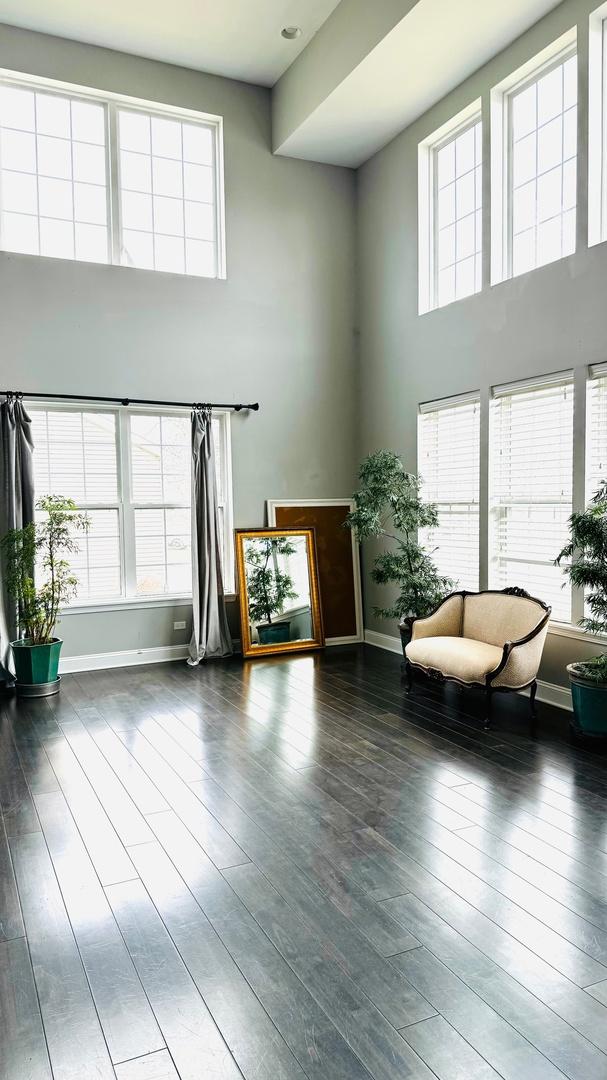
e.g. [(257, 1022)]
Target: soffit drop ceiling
[(239, 39), (374, 68)]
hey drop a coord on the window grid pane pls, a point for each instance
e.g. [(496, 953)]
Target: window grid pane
[(530, 507), (167, 194), (449, 463), (458, 216), (53, 175), (543, 168)]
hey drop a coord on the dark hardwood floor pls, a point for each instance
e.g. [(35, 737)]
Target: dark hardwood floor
[(287, 869)]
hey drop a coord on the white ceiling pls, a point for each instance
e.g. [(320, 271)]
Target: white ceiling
[(399, 77), (240, 39)]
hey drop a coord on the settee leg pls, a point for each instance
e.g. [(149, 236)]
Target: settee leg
[(532, 708), (408, 676), (488, 704)]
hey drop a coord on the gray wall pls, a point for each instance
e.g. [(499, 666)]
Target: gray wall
[(550, 319), (278, 330)]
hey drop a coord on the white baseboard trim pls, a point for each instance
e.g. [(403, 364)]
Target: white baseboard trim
[(549, 693), (128, 658)]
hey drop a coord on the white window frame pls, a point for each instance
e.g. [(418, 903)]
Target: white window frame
[(597, 126), (129, 598), (427, 199), (112, 103), (501, 147)]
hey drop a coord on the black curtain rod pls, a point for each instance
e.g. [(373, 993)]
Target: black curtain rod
[(254, 407)]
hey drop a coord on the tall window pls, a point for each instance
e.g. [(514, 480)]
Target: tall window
[(104, 179), (449, 462), (531, 482), (130, 470), (596, 429), (450, 211), (534, 140)]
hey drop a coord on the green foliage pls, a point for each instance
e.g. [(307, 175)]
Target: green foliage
[(585, 558), (268, 588), (388, 504), (37, 551)]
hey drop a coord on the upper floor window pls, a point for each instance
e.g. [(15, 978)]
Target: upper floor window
[(449, 464), (450, 211), (534, 166), (108, 179)]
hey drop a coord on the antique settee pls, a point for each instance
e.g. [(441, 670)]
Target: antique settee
[(493, 639)]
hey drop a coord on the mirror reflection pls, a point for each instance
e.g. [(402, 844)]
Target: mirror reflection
[(278, 597), (278, 589)]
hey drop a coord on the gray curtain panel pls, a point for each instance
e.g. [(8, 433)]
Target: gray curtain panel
[(210, 636), (16, 503)]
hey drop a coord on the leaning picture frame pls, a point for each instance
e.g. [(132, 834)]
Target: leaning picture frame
[(338, 553)]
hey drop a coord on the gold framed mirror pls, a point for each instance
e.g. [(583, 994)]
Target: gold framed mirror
[(278, 587)]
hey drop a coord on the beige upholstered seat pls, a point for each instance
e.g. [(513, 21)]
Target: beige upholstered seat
[(492, 638), (456, 658)]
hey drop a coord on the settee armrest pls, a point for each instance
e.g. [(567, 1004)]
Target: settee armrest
[(445, 621), (522, 661)]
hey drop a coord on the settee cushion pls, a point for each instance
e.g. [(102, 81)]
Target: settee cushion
[(496, 617), (459, 658)]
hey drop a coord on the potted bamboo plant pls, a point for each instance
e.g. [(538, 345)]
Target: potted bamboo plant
[(268, 587), (40, 581), (389, 506), (585, 558)]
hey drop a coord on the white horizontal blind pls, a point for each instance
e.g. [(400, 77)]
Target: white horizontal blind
[(596, 430), (449, 462), (132, 475), (531, 487), (160, 493), (75, 456), (160, 484)]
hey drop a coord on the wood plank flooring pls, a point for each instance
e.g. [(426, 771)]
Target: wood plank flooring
[(290, 870)]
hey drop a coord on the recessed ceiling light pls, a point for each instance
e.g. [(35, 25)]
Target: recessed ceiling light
[(291, 32)]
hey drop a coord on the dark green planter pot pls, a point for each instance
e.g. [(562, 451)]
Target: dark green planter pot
[(276, 634), (589, 705), (37, 664)]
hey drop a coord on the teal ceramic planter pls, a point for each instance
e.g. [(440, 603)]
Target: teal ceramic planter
[(274, 633), (589, 705), (36, 663)]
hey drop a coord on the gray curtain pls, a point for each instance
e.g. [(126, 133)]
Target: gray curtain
[(16, 503), (210, 636)]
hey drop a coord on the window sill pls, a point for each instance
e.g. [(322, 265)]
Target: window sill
[(132, 603), (568, 630)]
